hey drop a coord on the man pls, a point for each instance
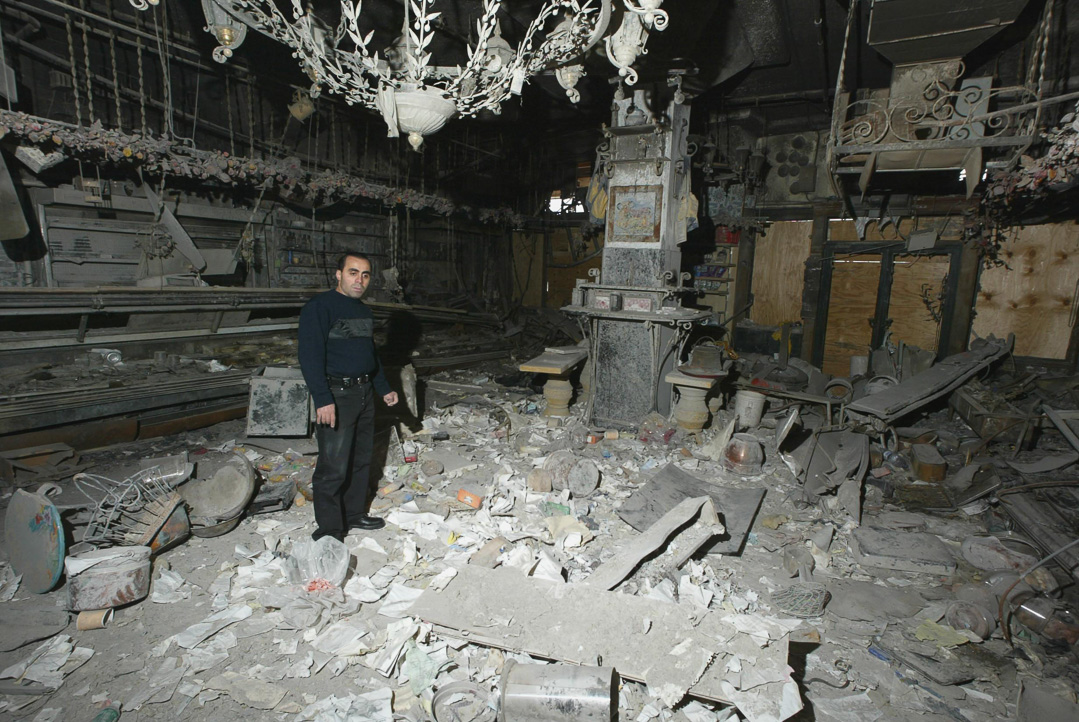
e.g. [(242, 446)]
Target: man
[(341, 368)]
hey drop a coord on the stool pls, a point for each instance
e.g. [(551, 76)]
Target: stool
[(691, 411), (558, 364)]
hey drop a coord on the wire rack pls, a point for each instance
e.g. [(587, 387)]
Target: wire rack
[(128, 512)]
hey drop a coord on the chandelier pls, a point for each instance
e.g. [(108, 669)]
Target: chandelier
[(413, 94)]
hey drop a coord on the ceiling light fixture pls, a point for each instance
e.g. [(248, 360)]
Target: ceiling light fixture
[(414, 95)]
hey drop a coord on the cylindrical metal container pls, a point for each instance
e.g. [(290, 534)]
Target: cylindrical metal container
[(545, 692)]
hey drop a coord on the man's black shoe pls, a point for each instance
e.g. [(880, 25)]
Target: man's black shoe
[(367, 523)]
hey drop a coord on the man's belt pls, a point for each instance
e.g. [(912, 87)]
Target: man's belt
[(346, 382)]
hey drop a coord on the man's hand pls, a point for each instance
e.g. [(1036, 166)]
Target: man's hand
[(327, 415), (390, 398)]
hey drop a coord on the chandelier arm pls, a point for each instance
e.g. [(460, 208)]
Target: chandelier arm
[(477, 54), (650, 13), (524, 50), (601, 25)]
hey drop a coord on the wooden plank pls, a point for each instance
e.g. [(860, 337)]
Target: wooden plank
[(1032, 298), (778, 270), (851, 308), (553, 363), (610, 573), (911, 320), (577, 624)]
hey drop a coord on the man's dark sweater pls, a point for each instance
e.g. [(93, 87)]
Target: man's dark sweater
[(337, 339)]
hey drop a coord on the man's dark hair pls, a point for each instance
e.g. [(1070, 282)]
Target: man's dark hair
[(350, 254)]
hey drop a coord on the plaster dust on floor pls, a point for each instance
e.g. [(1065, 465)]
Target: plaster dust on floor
[(260, 623)]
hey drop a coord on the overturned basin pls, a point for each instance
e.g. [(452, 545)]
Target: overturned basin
[(217, 498)]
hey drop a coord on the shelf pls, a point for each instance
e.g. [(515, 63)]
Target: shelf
[(623, 130)]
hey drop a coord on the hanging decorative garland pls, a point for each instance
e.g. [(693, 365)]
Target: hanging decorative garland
[(287, 177)]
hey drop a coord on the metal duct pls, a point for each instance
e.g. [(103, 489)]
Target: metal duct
[(917, 31)]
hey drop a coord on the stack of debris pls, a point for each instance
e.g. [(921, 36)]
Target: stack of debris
[(834, 543)]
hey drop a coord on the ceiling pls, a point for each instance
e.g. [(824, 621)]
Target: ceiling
[(776, 58)]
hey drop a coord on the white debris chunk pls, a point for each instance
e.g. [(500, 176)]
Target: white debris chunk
[(211, 654), (201, 631), (170, 587), (343, 639), (9, 582), (548, 569), (855, 708), (397, 635), (249, 692), (161, 686), (442, 579), (692, 593), (371, 707), (399, 601), (219, 590)]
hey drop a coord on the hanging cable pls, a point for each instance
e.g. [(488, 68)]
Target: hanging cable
[(166, 75), (74, 72), (228, 104), (333, 133), (195, 111), (7, 87), (250, 120), (1047, 28), (142, 86), (89, 73), (115, 82)]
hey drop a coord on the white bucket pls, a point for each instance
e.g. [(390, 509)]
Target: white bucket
[(859, 366), (749, 407)]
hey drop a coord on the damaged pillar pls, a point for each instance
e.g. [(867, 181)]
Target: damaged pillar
[(635, 318)]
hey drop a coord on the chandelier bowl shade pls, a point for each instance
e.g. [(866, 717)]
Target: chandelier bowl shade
[(421, 112)]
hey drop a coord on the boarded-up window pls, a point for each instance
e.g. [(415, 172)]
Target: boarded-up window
[(851, 307), (1033, 298), (778, 272), (916, 302)]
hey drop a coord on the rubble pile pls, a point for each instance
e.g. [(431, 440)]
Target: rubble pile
[(862, 550)]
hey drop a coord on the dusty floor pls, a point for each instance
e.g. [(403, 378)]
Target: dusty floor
[(876, 653)]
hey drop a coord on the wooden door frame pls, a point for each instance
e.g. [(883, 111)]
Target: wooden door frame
[(888, 253)]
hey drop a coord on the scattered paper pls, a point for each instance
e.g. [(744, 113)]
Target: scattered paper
[(9, 582), (201, 631), (399, 600), (169, 587), (371, 707), (249, 692), (49, 662)]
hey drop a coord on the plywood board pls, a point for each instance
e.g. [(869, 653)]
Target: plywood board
[(851, 308), (670, 486), (911, 319), (1032, 298), (779, 260), (643, 639), (528, 268)]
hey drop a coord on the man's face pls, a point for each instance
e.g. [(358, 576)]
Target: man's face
[(353, 280)]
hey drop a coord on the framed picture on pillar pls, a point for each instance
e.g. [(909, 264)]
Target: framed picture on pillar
[(635, 214)]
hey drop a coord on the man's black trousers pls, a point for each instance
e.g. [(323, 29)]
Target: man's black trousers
[(343, 470)]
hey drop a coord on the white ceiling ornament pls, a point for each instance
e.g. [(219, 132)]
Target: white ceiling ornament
[(415, 95)]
